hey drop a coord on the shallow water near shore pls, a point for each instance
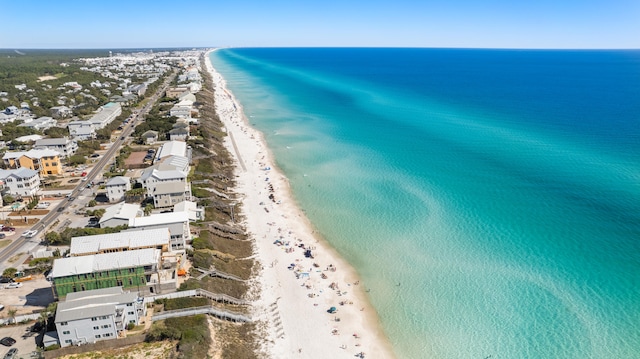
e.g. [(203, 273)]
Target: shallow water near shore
[(489, 199)]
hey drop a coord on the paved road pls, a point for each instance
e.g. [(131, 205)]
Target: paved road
[(41, 226)]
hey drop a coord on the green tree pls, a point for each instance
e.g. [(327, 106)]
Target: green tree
[(9, 272), (57, 132), (147, 209), (53, 238), (11, 313), (77, 160), (92, 203)]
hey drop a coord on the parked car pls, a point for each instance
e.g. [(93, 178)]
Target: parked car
[(7, 341), (2, 235), (30, 234), (1, 307), (11, 353), (95, 155), (8, 229), (13, 285), (6, 280)]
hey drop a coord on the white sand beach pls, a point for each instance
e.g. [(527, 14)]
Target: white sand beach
[(295, 292)]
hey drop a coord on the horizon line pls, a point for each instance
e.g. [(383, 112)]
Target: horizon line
[(322, 47)]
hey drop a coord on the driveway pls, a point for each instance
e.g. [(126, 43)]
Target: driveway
[(25, 340)]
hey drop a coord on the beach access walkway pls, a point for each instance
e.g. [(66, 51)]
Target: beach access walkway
[(207, 309)]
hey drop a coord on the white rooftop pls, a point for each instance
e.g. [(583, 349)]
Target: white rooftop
[(118, 181), (121, 210), (131, 240), (63, 267), (173, 148), (160, 218)]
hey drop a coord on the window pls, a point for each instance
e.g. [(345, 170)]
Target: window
[(130, 281), (66, 332), (68, 341), (94, 319), (96, 327), (97, 336), (119, 282), (106, 326), (64, 323), (132, 270), (107, 334), (130, 313), (129, 304), (104, 317)]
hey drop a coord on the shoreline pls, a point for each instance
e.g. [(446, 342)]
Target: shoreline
[(293, 303)]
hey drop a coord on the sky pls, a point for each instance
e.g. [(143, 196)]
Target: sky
[(564, 24)]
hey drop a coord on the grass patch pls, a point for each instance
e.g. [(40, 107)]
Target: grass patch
[(192, 334), (4, 243)]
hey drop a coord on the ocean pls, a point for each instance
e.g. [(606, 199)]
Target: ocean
[(489, 199)]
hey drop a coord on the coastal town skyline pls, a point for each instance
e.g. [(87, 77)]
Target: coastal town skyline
[(592, 24)]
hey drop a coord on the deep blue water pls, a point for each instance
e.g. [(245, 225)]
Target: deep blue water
[(501, 188)]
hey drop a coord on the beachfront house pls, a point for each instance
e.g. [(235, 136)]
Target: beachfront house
[(140, 269), (96, 315)]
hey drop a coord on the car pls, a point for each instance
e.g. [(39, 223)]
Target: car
[(8, 229), (13, 285), (60, 209), (30, 234), (2, 235), (1, 307), (122, 138), (7, 341), (11, 353), (71, 199), (6, 280), (95, 155)]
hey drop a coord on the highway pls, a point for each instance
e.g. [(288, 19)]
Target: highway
[(98, 169)]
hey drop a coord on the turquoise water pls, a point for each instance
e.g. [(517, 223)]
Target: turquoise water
[(490, 199)]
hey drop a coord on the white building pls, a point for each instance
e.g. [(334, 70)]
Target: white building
[(64, 146), (167, 194), (153, 176), (95, 315), (23, 182), (107, 113), (173, 148), (116, 188), (195, 213), (41, 123), (119, 214), (176, 222), (81, 130)]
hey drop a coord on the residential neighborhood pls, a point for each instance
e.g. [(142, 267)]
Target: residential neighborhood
[(100, 204)]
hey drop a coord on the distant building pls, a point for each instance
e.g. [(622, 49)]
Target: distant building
[(60, 111), (107, 113), (116, 188), (150, 137), (41, 123), (175, 92), (179, 134), (81, 130), (95, 315), (64, 146)]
